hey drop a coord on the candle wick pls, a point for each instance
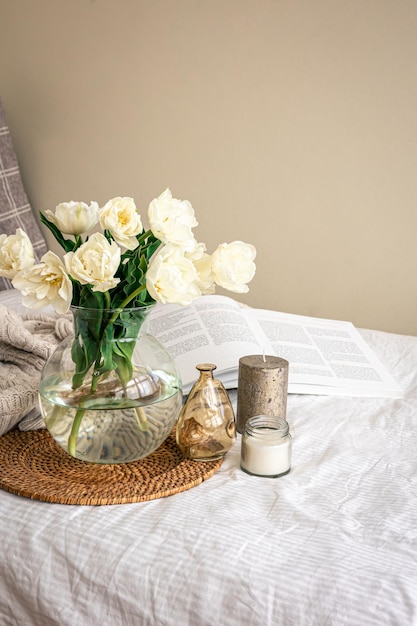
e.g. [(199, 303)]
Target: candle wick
[(263, 356)]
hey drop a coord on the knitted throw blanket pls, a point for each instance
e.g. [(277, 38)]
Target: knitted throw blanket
[(25, 345)]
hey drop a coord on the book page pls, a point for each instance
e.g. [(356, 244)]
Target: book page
[(213, 329), (325, 356), (327, 353)]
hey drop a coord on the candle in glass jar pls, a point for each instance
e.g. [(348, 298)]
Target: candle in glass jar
[(266, 446)]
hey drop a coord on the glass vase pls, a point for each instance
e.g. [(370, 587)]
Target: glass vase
[(110, 393), (206, 427)]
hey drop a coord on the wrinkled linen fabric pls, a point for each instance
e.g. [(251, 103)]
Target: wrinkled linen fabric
[(25, 345)]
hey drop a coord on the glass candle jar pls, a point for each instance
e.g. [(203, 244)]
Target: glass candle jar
[(266, 446)]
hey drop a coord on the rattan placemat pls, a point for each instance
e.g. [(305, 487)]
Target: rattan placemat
[(34, 466)]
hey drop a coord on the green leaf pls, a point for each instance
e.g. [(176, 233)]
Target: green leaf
[(106, 352), (84, 352), (124, 368)]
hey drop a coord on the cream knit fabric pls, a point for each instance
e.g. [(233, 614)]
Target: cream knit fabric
[(25, 345)]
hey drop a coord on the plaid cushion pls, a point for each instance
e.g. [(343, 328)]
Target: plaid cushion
[(15, 210)]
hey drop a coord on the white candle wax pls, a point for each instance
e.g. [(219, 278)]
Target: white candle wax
[(265, 451)]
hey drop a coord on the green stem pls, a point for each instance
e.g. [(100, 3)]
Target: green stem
[(144, 236), (57, 412), (95, 379), (72, 439), (107, 299), (141, 419), (125, 303)]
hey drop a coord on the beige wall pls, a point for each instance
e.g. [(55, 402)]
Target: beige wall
[(291, 124)]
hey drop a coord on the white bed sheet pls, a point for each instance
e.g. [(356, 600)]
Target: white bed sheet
[(332, 543)]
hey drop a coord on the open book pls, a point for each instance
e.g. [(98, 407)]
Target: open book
[(327, 357)]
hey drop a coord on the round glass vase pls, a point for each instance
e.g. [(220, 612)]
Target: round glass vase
[(110, 393), (206, 427)]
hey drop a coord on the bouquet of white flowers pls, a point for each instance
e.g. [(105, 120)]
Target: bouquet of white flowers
[(117, 269), (164, 263)]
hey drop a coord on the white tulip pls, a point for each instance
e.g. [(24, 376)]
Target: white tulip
[(233, 265), (74, 218), (121, 218), (202, 263), (16, 253), (171, 277), (45, 283), (94, 263), (171, 220)]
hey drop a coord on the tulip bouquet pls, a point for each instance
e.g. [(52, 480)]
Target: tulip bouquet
[(120, 267)]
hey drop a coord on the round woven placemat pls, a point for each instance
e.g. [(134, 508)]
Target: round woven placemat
[(34, 466)]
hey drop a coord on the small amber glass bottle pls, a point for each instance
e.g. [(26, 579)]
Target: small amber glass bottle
[(206, 427)]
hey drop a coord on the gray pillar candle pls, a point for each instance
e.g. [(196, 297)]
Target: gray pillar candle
[(262, 388)]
